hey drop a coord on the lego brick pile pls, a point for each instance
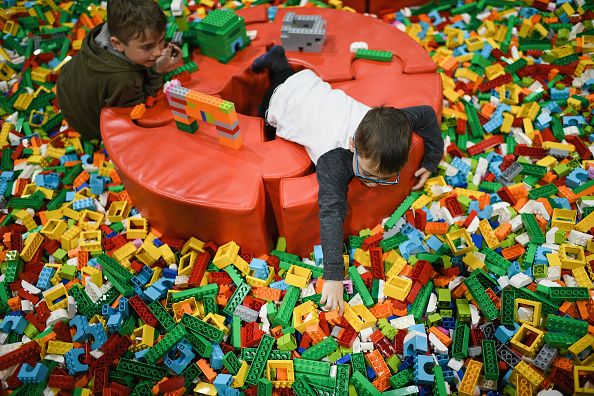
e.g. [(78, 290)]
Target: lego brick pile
[(482, 280)]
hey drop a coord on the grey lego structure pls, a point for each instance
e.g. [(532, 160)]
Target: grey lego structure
[(545, 357), (304, 33)]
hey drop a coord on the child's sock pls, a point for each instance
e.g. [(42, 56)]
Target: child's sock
[(274, 59)]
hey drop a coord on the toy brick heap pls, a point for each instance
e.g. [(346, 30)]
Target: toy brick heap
[(483, 280)]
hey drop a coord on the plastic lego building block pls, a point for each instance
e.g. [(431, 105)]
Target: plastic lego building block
[(304, 33)]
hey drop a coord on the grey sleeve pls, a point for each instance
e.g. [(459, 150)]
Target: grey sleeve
[(424, 123), (334, 171)]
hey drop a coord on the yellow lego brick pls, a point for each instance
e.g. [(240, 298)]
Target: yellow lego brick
[(193, 244), (90, 220), (359, 317), (241, 265), (272, 369), (471, 377), (239, 378), (167, 254), (55, 293), (468, 193), (397, 287), (488, 234), (218, 321), (581, 277), (508, 120), (69, 239), (473, 262), (467, 74), (305, 315), (576, 104), (558, 146), (494, 71), (226, 255), (529, 110), (188, 306), (54, 229), (257, 282), (523, 386), (40, 74), (572, 256), (396, 262), (143, 337), (118, 211), (582, 66), (447, 81), (90, 241), (541, 30), (148, 253), (586, 343), (437, 181), (69, 212), (455, 38), (554, 260), (474, 44), (529, 373), (126, 251), (32, 244), (95, 276), (526, 28), (362, 257), (500, 33), (548, 161), (205, 389), (58, 347), (186, 263), (447, 112), (581, 373), (26, 219), (422, 201), (6, 129), (451, 95), (527, 331), (487, 29), (298, 276), (466, 245), (564, 219), (536, 306), (157, 272), (137, 228)]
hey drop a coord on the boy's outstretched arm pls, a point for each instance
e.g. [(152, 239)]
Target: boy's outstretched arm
[(334, 171), (424, 123)]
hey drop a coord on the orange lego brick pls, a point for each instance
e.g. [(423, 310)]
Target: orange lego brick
[(437, 228)]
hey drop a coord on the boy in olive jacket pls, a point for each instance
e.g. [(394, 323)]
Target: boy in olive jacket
[(120, 64)]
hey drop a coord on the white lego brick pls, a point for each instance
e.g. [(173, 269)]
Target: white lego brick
[(475, 316), (570, 281), (437, 345), (365, 334), (356, 300), (503, 281), (432, 305), (96, 353), (474, 224), (357, 45), (27, 306), (516, 223), (403, 322), (550, 235), (578, 238), (367, 347), (520, 280), (455, 364), (455, 282), (554, 273), (29, 287), (523, 239), (56, 358), (571, 131), (57, 316)]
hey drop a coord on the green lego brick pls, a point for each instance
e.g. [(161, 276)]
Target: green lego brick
[(399, 212), (490, 360), (382, 56), (569, 294), (321, 349), (544, 191), (418, 306), (311, 367), (112, 266), (190, 373), (237, 298), (460, 341), (162, 316), (508, 307), (265, 388), (283, 317), (342, 379), (393, 242), (360, 287), (485, 304), (534, 232), (562, 324), (197, 292), (171, 338), (201, 345), (201, 327), (231, 363), (139, 369), (259, 361), (363, 386), (560, 340), (317, 272), (33, 201), (358, 363)]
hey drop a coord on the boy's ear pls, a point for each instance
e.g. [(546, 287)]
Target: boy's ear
[(117, 44), (352, 144)]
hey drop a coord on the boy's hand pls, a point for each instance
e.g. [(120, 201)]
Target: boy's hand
[(170, 56), (423, 174), (332, 295)]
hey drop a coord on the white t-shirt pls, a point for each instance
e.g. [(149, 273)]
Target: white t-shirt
[(306, 110)]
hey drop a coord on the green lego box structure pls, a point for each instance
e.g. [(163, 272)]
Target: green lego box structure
[(221, 34)]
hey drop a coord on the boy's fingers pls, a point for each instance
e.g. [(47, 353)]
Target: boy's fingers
[(323, 299)]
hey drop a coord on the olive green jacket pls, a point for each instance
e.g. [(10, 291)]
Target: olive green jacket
[(97, 78)]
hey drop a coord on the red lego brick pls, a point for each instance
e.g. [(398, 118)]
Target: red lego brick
[(485, 145)]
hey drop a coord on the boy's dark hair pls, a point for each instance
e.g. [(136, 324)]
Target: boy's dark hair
[(383, 137), (129, 19)]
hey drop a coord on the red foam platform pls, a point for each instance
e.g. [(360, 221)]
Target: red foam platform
[(189, 185)]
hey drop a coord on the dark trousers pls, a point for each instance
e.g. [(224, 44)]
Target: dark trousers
[(276, 79)]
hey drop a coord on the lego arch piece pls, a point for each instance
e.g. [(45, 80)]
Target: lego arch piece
[(189, 185)]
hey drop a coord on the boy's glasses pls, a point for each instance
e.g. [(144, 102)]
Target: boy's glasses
[(387, 182)]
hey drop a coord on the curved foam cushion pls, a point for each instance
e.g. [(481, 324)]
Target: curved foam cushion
[(189, 185)]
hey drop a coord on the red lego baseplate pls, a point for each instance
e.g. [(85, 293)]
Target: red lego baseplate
[(189, 185)]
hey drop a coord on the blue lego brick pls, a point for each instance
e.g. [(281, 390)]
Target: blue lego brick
[(72, 358), (33, 374), (179, 357)]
